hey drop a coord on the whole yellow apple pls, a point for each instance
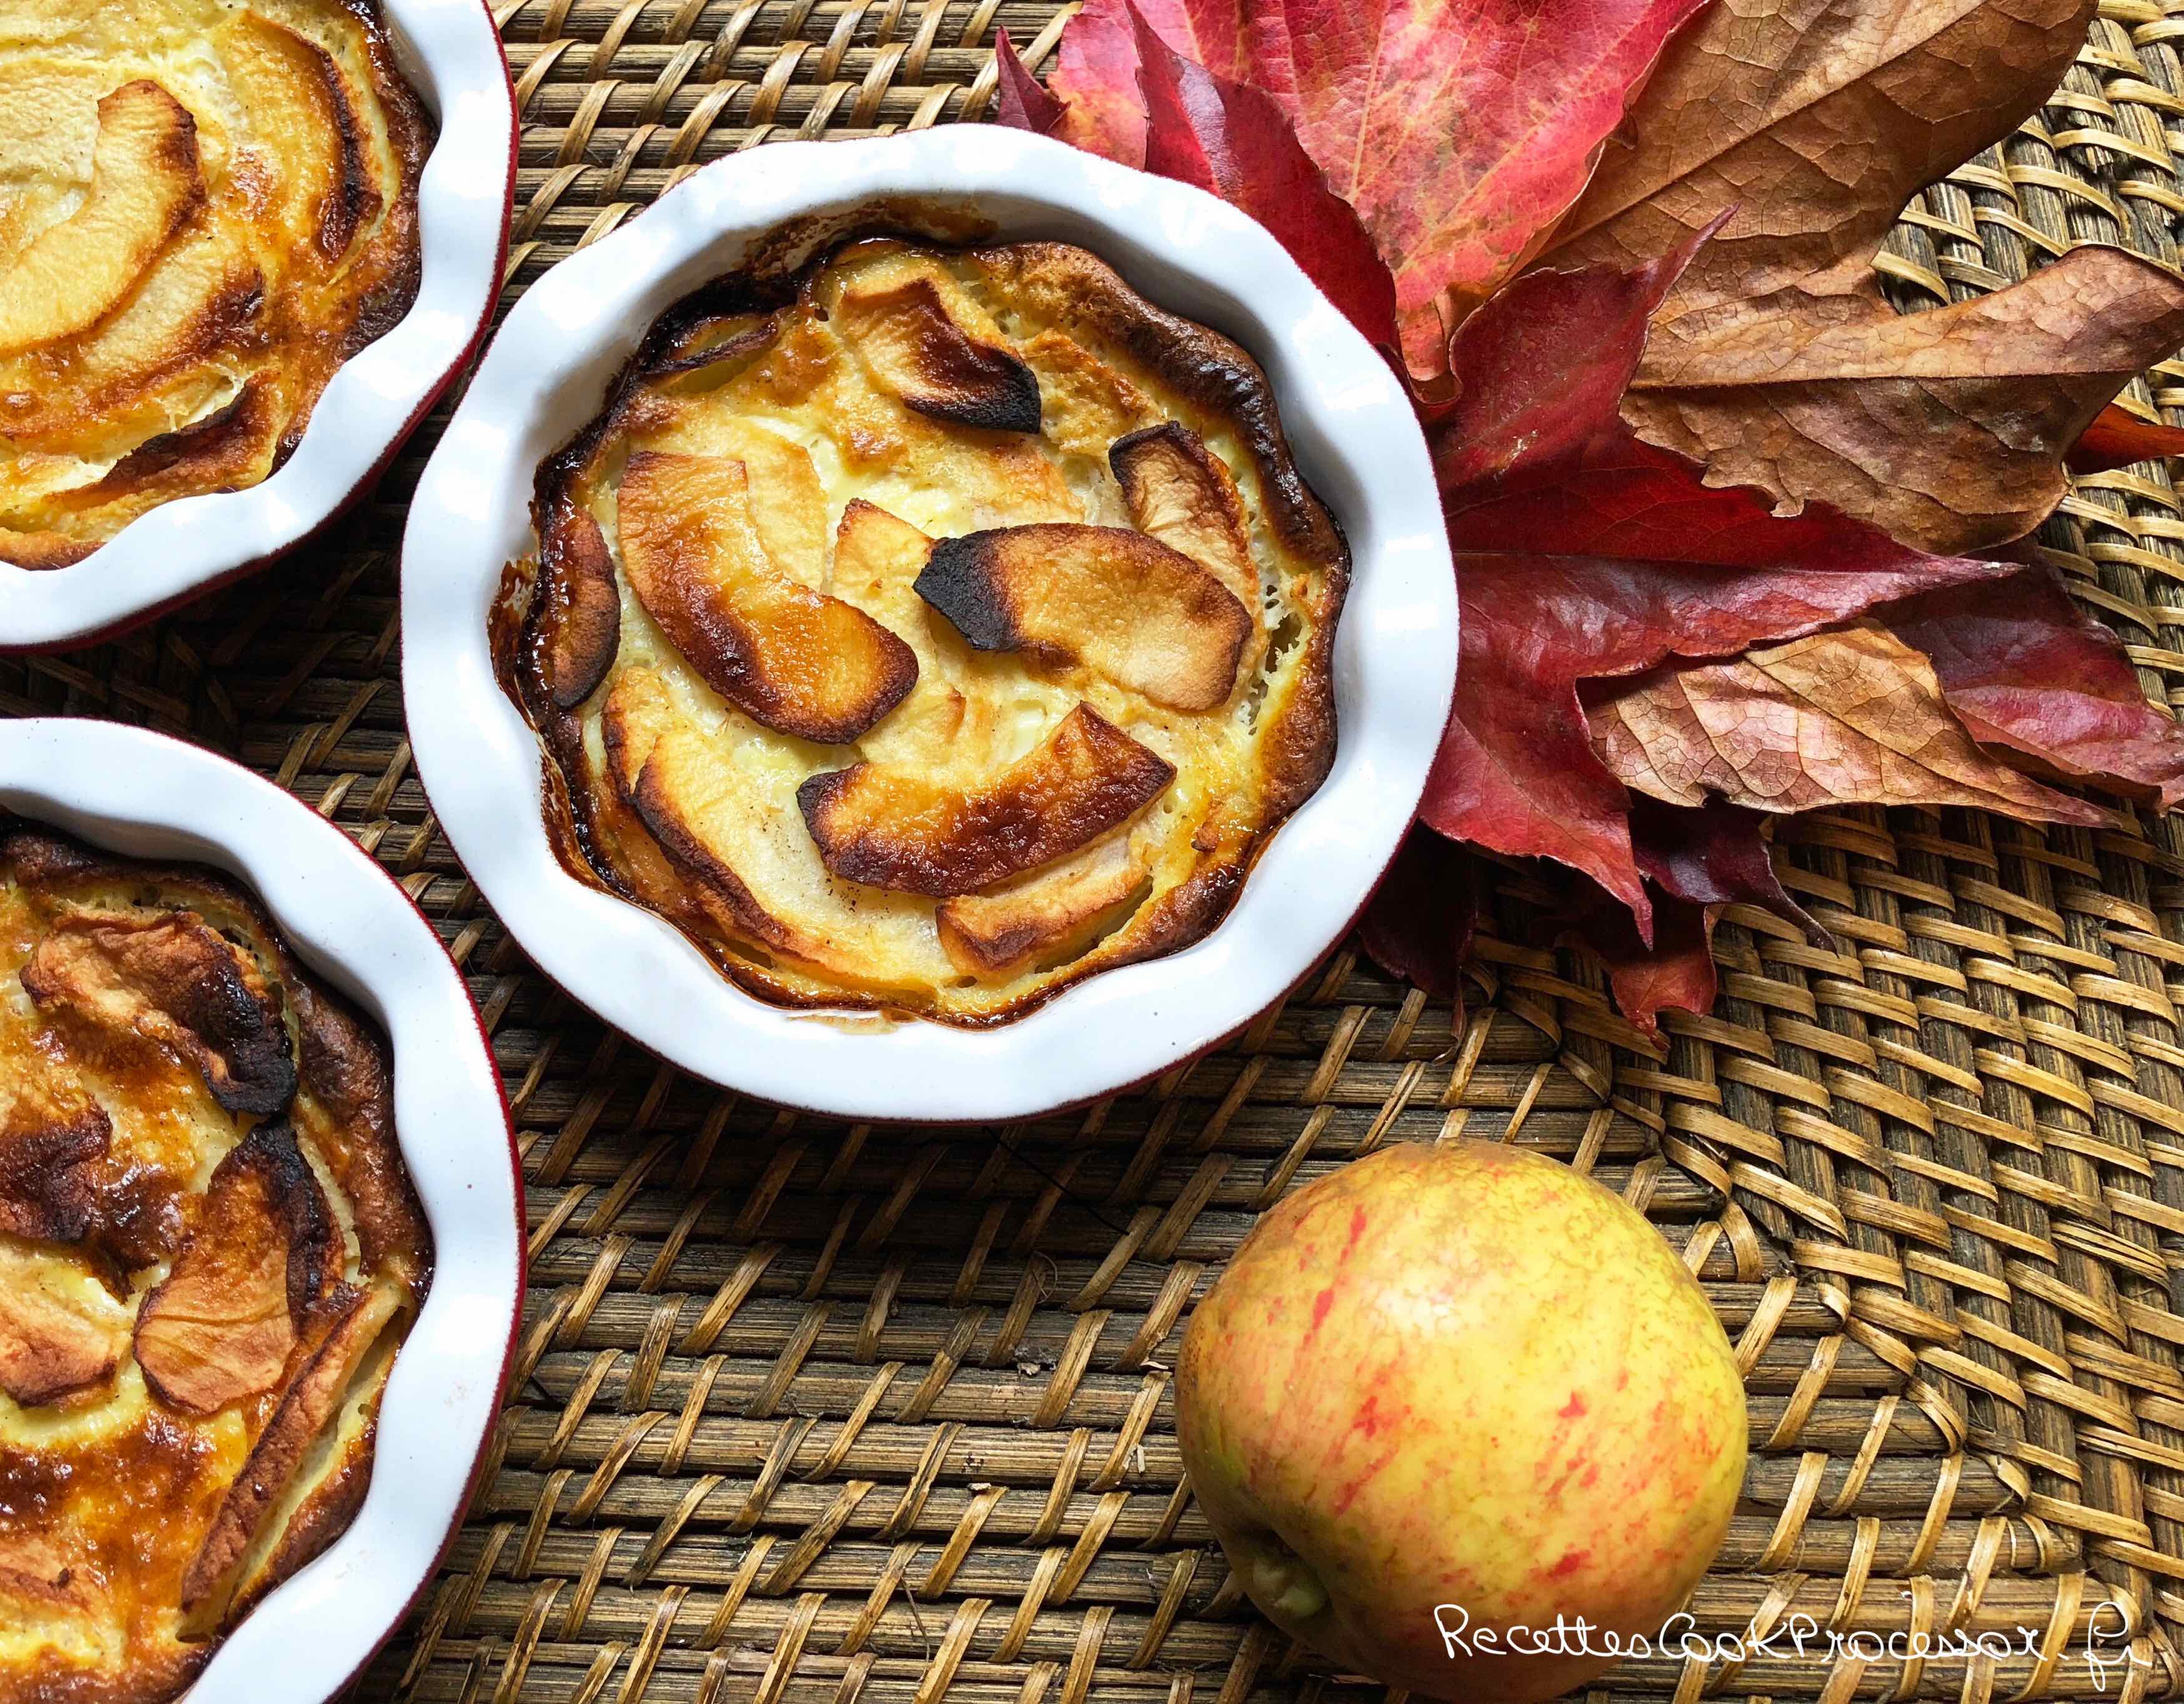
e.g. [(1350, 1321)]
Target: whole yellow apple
[(1445, 1396)]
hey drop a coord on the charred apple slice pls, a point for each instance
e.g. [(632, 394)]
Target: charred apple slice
[(265, 1253), (792, 659), (1123, 604), (145, 185), (173, 980), (1046, 914), (52, 1135), (923, 342), (892, 828)]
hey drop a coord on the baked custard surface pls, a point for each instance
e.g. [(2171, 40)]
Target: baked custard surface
[(209, 1253), (205, 208), (926, 629)]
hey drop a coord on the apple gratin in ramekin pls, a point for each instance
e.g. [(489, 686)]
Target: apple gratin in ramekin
[(928, 629), (205, 209)]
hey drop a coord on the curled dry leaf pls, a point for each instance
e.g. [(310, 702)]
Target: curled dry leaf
[(1020, 103), (1775, 357), (1946, 428), (1849, 716)]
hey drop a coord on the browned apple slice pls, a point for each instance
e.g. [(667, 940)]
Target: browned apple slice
[(1183, 495), (265, 1252), (172, 980), (1088, 403), (897, 828), (52, 1136), (576, 621), (791, 659), (321, 179), (924, 344), (788, 500), (145, 185), (60, 1331), (310, 1402), (1046, 915), (1123, 604)]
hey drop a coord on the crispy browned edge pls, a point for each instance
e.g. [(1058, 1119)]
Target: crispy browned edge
[(411, 131), (346, 1065), (1201, 366)]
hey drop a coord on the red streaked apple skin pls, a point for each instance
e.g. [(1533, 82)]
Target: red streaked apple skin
[(1460, 1375)]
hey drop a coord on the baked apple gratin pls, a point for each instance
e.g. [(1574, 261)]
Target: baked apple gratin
[(205, 207), (928, 629), (209, 1252)]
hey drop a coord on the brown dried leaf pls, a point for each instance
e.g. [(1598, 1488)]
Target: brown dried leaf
[(1852, 715), (1946, 429), (1774, 358)]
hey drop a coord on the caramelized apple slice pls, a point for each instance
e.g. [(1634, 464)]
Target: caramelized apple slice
[(576, 621), (925, 343), (311, 1401), (265, 1252), (145, 185), (895, 828), (791, 659), (52, 1136), (787, 502), (1088, 403), (171, 979), (322, 188), (1183, 495), (1046, 915), (60, 1332), (1125, 605)]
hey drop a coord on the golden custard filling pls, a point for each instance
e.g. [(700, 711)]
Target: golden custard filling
[(927, 629), (205, 208), (210, 1254)]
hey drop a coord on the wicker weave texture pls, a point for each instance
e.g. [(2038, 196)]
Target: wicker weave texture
[(804, 1412)]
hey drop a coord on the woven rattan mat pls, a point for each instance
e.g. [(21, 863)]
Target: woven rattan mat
[(804, 1412)]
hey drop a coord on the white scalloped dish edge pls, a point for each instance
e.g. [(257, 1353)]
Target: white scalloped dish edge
[(451, 55), (1355, 440), (143, 795)]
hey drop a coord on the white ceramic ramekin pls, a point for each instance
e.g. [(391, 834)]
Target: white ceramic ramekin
[(144, 795), (1355, 439), (451, 54)]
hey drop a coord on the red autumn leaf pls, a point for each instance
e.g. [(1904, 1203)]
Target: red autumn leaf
[(2025, 669), (1235, 142), (2117, 438), (1696, 862), (1510, 404), (1021, 104), (1459, 134), (1419, 921), (1674, 972), (1584, 557)]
